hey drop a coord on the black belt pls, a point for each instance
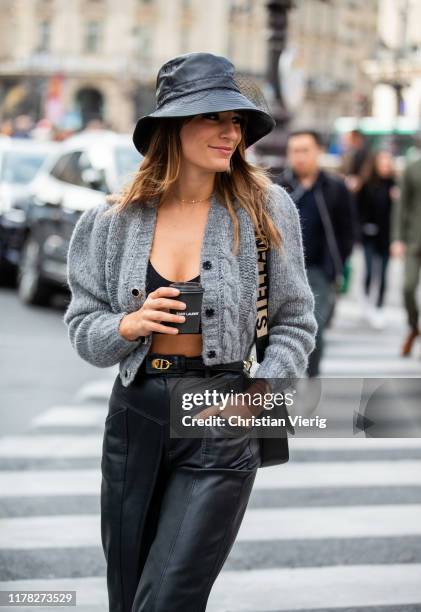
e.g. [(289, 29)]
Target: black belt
[(155, 363)]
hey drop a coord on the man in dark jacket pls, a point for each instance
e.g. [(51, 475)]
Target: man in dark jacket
[(327, 216)]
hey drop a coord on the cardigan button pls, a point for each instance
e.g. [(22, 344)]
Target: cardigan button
[(211, 354), (209, 312), (207, 265), (136, 292)]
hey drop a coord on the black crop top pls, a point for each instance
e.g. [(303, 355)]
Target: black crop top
[(155, 280)]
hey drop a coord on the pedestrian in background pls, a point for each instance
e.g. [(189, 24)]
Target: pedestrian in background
[(327, 217), (407, 243), (6, 128), (23, 125), (375, 201), (354, 160)]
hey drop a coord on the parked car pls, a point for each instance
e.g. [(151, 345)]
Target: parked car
[(85, 168), (20, 160)]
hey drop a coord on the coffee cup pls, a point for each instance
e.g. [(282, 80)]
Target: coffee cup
[(191, 293)]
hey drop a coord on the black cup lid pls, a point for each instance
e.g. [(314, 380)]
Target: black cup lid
[(188, 286)]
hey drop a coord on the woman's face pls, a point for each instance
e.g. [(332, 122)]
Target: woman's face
[(384, 164), (209, 141)]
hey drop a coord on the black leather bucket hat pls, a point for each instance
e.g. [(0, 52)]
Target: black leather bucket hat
[(197, 83)]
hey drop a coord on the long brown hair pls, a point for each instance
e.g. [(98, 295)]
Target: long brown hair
[(369, 173), (245, 183)]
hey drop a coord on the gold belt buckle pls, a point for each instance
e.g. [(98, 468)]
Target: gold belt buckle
[(161, 364)]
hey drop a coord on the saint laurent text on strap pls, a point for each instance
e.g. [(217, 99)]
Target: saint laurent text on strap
[(262, 298)]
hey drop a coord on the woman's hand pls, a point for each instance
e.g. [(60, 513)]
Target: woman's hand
[(148, 318)]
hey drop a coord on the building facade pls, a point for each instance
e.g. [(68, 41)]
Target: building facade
[(395, 69), (331, 40), (99, 58)]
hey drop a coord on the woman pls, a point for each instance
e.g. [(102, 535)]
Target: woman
[(171, 507), (375, 200)]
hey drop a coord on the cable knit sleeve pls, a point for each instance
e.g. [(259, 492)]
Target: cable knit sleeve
[(292, 325), (93, 327)]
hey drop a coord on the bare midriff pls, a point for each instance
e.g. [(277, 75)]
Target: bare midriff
[(175, 254), (189, 345)]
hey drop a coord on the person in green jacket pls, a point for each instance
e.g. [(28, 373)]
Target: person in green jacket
[(406, 243)]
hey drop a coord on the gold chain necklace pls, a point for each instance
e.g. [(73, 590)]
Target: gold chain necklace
[(193, 201)]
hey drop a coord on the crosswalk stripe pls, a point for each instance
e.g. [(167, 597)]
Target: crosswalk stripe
[(89, 590), (37, 532), (99, 389), (361, 335), (74, 446), (318, 588), (338, 339), (331, 522), (50, 446), (76, 416), (340, 474), (356, 444), (364, 368), (294, 476), (49, 482), (371, 351), (76, 530)]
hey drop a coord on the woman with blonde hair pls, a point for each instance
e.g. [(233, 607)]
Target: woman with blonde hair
[(171, 506)]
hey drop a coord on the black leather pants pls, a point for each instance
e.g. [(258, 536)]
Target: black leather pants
[(171, 507)]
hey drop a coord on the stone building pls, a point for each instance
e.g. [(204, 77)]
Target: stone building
[(99, 58), (331, 40), (395, 69)]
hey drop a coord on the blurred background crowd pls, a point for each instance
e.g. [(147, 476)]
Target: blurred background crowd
[(341, 77)]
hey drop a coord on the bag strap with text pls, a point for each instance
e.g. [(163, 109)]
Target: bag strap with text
[(262, 322)]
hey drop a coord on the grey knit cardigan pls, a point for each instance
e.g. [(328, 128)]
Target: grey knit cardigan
[(106, 268)]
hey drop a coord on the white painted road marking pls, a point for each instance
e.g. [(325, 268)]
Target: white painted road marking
[(74, 416), (319, 588), (56, 446), (303, 475), (76, 530)]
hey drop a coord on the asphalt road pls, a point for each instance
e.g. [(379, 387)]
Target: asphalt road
[(39, 367)]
